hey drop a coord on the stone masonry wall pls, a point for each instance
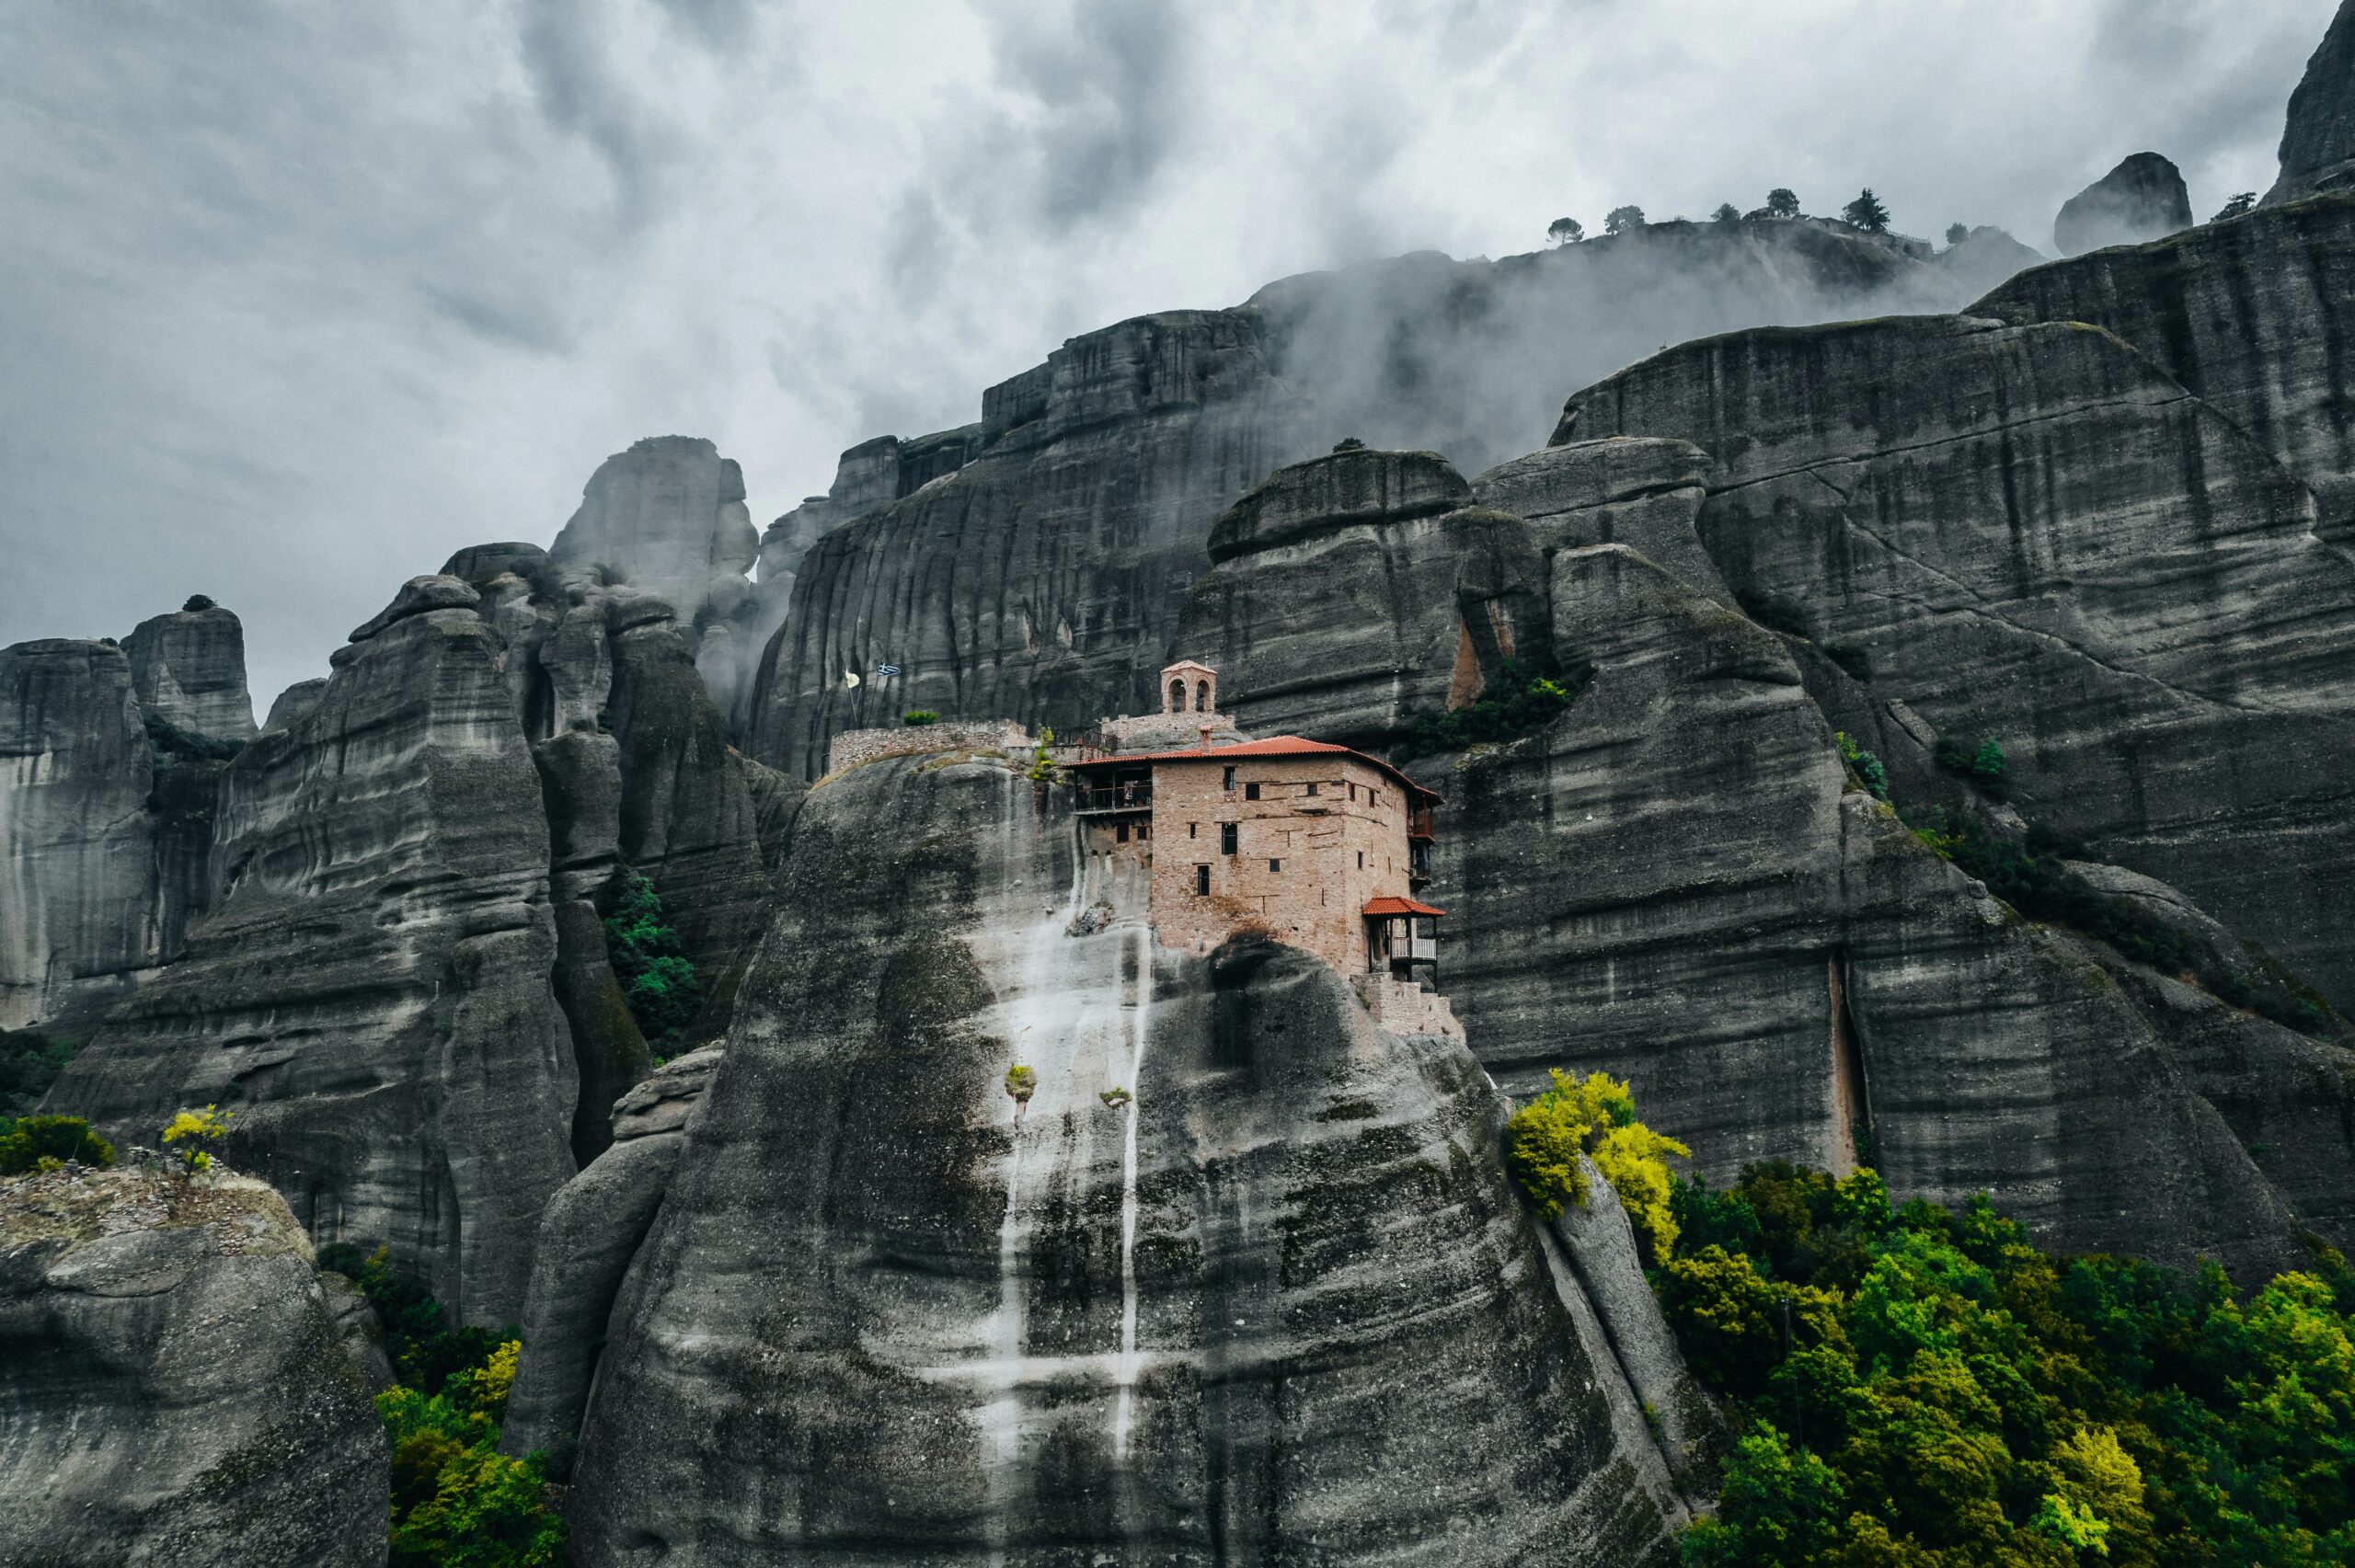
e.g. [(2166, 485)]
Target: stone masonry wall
[(1335, 849), (856, 746)]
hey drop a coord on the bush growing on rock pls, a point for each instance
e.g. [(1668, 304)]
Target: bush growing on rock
[(32, 1143), (1518, 704), (1595, 1118), (196, 1132), (916, 718), (1867, 767), (1958, 233), (2241, 203), (1913, 1386), (29, 1063)]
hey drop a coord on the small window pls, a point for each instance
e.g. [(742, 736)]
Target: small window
[(1275, 865), (1353, 792), (1250, 792), (1226, 837), (1361, 860), (1189, 828), (1202, 880), (1230, 779), (1311, 787), (1373, 797), (1119, 833), (1144, 831)]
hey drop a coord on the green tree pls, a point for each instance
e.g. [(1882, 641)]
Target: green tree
[(1566, 231), (197, 1132), (1594, 1117), (1781, 203), (1726, 213), (1866, 212), (32, 1143), (1957, 234), (1621, 219), (659, 981), (1987, 762), (2235, 207)]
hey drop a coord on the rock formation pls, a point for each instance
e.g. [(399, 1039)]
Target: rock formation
[(172, 1390), (2318, 139), (1034, 568), (1984, 257), (2033, 533), (369, 992), (2142, 199), (1282, 1305), (593, 1231), (189, 670), (2247, 314)]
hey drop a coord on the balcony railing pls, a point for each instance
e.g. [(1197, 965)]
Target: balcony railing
[(1125, 795)]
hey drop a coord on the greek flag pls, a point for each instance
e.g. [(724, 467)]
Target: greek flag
[(887, 669)]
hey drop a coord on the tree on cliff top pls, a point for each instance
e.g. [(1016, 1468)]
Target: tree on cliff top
[(1566, 231), (1866, 212), (1782, 203), (1621, 219)]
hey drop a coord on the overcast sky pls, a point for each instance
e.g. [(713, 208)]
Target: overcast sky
[(295, 298)]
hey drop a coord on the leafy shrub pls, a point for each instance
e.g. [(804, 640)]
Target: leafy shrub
[(1042, 757), (29, 1141), (1622, 220), (1866, 766), (1596, 1118), (29, 1063), (1348, 443), (196, 602), (916, 719), (659, 981), (455, 1498), (1911, 1386), (1518, 703), (196, 1132), (1983, 765)]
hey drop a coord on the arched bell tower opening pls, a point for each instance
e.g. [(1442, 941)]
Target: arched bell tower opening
[(1189, 679)]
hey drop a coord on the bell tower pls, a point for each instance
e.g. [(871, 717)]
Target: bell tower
[(1188, 687)]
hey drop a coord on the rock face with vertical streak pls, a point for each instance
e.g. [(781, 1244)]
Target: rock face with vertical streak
[(2033, 533), (874, 1316), (173, 1388), (189, 668), (2142, 199), (2318, 137), (2252, 316), (370, 993), (79, 901)]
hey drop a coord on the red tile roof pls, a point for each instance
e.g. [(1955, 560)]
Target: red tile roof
[(1274, 745), (1399, 906)]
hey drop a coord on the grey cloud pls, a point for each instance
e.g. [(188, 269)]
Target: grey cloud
[(1106, 74), (720, 24), (564, 48)]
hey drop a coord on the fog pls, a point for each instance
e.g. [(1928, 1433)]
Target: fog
[(295, 298)]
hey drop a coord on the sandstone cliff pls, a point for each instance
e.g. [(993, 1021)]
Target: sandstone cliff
[(2318, 138), (370, 990), (2142, 199), (1283, 1306), (189, 668), (2034, 533), (172, 1390)]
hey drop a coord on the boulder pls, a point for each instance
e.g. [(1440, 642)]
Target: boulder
[(1294, 1311), (291, 704), (2318, 138), (419, 596), (189, 668), (2142, 198), (173, 1387), (1984, 257), (1330, 493)]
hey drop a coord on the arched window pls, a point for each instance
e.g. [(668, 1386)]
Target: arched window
[(1178, 696), (1201, 696)]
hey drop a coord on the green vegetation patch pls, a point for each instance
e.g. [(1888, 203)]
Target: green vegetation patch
[(29, 1062), (1914, 1386), (1595, 1118), (48, 1143), (1519, 702), (456, 1499), (659, 981)]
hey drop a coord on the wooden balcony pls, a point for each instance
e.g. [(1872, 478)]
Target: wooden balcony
[(1129, 795)]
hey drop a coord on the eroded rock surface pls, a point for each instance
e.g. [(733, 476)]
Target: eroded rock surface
[(2142, 199), (370, 993), (870, 1294), (2247, 314), (2033, 533), (189, 668), (173, 1387), (2318, 138)]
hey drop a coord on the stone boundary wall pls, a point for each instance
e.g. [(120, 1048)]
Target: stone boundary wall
[(853, 746)]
